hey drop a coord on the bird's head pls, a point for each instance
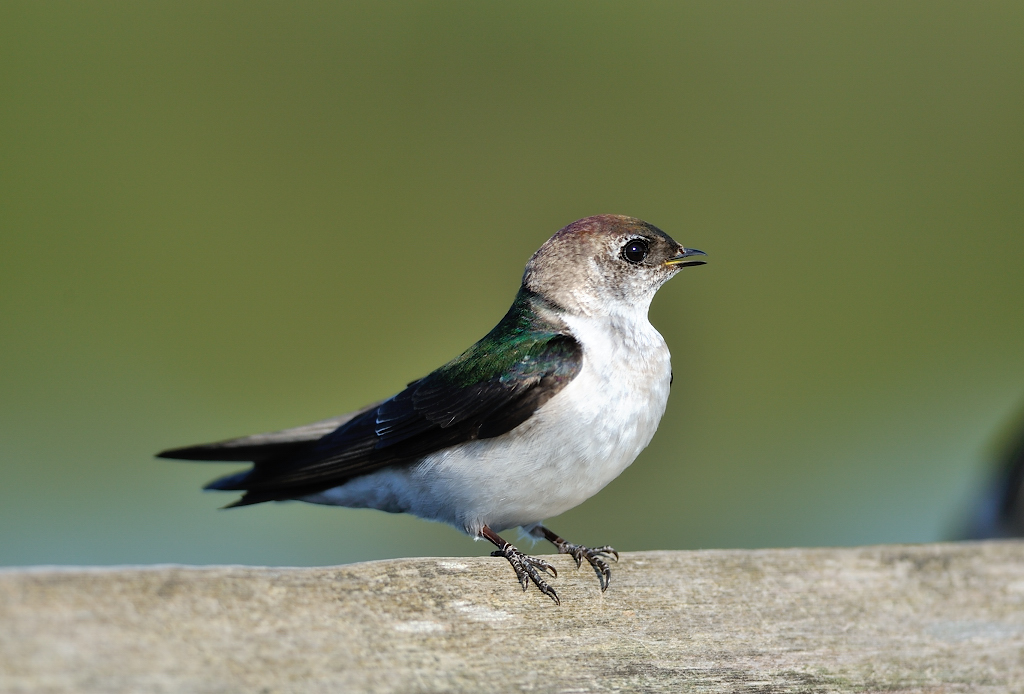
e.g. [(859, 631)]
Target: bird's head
[(606, 264)]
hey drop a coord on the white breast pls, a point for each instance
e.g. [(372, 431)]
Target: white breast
[(573, 446)]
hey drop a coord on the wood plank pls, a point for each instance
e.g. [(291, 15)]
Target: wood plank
[(924, 618)]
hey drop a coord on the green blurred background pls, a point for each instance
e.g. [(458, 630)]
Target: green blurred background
[(224, 218)]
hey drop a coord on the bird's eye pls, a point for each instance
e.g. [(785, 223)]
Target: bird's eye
[(635, 250)]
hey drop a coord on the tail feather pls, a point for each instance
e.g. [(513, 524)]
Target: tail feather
[(264, 450), (244, 500), (230, 483)]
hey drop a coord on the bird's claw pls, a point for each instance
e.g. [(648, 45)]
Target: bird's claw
[(526, 569), (595, 557)]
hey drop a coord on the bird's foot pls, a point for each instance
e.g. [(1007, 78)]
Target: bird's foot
[(595, 557), (528, 569)]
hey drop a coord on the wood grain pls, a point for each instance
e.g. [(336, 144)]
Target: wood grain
[(924, 618)]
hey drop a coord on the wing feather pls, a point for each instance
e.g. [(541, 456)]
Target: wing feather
[(263, 446), (429, 415), (489, 390)]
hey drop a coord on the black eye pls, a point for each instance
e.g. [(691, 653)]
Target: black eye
[(635, 251)]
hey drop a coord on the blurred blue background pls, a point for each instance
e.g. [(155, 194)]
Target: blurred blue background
[(223, 218)]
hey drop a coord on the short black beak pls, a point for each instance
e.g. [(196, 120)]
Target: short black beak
[(681, 259)]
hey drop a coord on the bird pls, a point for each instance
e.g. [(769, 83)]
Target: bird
[(538, 416)]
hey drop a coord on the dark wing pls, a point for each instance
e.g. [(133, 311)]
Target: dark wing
[(489, 390), (259, 447)]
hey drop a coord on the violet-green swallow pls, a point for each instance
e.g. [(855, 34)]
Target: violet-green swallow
[(531, 421)]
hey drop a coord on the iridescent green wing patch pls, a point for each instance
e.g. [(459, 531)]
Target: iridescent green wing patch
[(487, 391)]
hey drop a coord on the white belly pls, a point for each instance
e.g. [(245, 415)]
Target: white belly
[(573, 446)]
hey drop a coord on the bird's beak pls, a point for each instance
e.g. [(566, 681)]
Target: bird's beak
[(684, 253)]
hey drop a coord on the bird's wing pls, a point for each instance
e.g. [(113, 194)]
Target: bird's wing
[(258, 447), (487, 391)]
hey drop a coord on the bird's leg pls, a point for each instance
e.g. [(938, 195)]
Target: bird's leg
[(525, 567), (596, 557)]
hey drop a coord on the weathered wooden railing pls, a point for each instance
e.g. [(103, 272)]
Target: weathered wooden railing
[(925, 618)]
